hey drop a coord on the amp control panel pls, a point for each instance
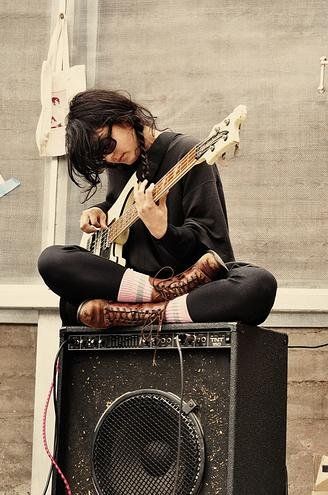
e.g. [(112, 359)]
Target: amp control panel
[(150, 340)]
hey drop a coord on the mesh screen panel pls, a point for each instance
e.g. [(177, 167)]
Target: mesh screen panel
[(136, 442), (24, 31), (280, 204)]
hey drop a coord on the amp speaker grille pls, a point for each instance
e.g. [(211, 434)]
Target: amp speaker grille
[(136, 445)]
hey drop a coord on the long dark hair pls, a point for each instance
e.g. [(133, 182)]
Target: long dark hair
[(91, 110)]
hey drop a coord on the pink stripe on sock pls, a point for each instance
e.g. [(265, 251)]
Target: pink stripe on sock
[(135, 287), (177, 311)]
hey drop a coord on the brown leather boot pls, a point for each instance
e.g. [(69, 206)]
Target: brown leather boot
[(208, 268), (100, 313)]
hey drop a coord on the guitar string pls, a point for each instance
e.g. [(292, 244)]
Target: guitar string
[(116, 229), (166, 182)]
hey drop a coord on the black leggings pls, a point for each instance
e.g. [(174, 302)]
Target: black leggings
[(247, 293)]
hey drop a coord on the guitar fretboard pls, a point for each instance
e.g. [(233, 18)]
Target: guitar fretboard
[(162, 187), (104, 238), (223, 136)]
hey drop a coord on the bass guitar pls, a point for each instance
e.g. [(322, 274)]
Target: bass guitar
[(222, 141)]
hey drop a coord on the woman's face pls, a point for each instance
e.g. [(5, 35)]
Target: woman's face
[(127, 149)]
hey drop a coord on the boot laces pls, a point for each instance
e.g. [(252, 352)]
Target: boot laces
[(177, 286)]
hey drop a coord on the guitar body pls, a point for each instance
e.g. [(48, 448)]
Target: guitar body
[(98, 242)]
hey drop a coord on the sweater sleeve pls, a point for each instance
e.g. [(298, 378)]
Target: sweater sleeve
[(204, 222), (179, 239)]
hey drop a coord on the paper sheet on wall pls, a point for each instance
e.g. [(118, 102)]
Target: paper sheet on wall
[(7, 185)]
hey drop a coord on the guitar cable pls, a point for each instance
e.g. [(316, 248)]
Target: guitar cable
[(53, 389), (307, 346), (176, 478)]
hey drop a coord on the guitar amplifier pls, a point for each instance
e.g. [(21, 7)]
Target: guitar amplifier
[(122, 426)]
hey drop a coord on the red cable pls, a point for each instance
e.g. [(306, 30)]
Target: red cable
[(44, 438)]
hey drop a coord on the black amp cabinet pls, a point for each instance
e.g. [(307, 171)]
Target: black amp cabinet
[(122, 424)]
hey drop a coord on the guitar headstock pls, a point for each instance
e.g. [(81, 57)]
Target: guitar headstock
[(223, 138)]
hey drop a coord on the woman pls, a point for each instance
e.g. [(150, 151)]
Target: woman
[(185, 230)]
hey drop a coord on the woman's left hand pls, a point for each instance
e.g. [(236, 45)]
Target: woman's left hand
[(153, 215)]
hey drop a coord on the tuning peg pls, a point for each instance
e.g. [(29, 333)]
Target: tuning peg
[(236, 150)]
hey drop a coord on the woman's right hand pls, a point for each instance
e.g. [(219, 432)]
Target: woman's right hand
[(93, 219)]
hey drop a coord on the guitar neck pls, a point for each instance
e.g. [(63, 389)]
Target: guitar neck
[(130, 216)]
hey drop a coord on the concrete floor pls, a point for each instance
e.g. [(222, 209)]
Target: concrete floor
[(307, 407)]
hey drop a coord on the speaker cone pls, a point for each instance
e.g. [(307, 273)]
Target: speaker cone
[(136, 445)]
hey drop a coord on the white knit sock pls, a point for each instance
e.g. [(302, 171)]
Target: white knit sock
[(135, 287), (177, 310)]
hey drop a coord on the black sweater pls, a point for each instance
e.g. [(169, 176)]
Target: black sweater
[(196, 211)]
